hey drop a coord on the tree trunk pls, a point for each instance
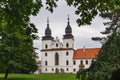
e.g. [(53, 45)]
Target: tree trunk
[(6, 74), (7, 71)]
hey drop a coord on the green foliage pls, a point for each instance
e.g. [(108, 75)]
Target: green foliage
[(88, 9), (17, 35), (82, 74), (107, 61), (116, 74)]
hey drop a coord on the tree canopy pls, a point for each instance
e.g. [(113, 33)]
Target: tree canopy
[(17, 35)]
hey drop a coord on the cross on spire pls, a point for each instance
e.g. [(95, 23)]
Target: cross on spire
[(68, 19), (47, 20)]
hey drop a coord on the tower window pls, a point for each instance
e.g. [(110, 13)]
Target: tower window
[(46, 46), (56, 45), (45, 54), (67, 62), (56, 59), (67, 45), (67, 53), (74, 62), (46, 63)]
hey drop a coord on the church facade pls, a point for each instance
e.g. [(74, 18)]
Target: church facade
[(57, 57)]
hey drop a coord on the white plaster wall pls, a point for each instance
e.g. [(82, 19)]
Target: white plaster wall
[(50, 58), (48, 42), (54, 45), (84, 63), (69, 41)]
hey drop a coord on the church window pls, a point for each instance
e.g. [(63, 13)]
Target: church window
[(74, 70), (67, 53), (46, 63), (57, 45), (56, 59), (46, 69), (67, 45), (67, 63), (86, 61), (81, 62), (67, 69), (74, 62), (46, 46), (52, 69), (45, 54)]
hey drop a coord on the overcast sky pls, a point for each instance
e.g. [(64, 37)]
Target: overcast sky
[(58, 23)]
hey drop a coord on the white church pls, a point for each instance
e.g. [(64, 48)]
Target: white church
[(57, 57)]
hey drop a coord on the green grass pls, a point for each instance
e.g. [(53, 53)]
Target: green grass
[(39, 77)]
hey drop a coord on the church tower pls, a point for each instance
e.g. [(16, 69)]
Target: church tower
[(47, 39), (47, 42), (68, 38)]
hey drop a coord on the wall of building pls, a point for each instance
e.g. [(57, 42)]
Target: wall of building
[(78, 62), (64, 56)]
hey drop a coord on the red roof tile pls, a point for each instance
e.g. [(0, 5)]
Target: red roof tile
[(86, 53)]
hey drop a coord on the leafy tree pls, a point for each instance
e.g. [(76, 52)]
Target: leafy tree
[(17, 35), (108, 59)]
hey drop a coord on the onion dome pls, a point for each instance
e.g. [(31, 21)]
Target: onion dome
[(47, 32), (68, 31)]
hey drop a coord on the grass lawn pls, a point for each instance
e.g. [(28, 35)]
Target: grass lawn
[(39, 77)]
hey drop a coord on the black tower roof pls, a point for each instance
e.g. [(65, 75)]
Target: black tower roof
[(47, 32), (68, 31)]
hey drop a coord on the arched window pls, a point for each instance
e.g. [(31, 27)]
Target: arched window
[(67, 45), (67, 69), (46, 63), (45, 54), (67, 53), (46, 46), (67, 62), (56, 44), (56, 59)]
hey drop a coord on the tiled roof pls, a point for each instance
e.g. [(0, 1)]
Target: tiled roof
[(86, 53)]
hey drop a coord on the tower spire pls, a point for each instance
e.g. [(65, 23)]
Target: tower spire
[(68, 30), (47, 21), (68, 19), (47, 32)]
